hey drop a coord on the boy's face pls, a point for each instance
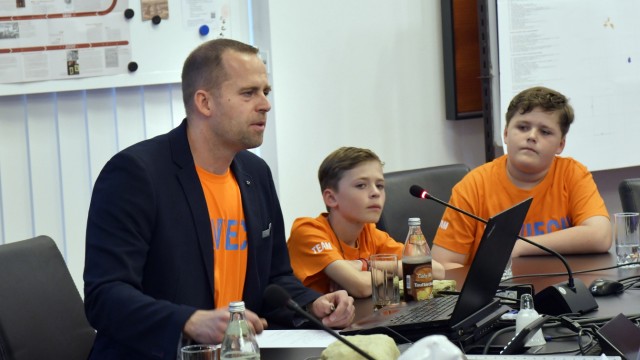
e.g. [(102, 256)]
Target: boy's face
[(360, 194), (533, 140)]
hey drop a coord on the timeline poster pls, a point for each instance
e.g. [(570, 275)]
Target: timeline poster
[(62, 39)]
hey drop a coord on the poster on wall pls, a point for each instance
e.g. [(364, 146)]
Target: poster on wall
[(62, 39)]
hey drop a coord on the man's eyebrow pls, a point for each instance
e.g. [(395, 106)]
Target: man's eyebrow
[(255, 88)]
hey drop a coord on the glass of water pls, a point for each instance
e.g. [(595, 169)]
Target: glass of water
[(507, 274), (199, 352), (626, 234)]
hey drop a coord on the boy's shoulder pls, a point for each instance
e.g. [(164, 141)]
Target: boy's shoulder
[(494, 169)]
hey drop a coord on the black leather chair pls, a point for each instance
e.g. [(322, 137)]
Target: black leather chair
[(401, 205), (629, 190), (41, 312)]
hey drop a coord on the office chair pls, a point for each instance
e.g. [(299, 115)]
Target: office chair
[(41, 312), (400, 205), (629, 190)]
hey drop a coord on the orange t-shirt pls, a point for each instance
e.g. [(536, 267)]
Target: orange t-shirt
[(313, 245), (229, 235), (566, 197)]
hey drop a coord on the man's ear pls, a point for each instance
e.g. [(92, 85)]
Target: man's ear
[(203, 103), (329, 197)]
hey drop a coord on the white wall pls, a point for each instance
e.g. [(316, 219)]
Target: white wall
[(359, 73)]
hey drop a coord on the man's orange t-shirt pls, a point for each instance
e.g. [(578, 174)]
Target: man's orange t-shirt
[(566, 197), (229, 235)]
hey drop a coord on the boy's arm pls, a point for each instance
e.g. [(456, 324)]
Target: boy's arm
[(349, 275), (591, 236), (447, 259)]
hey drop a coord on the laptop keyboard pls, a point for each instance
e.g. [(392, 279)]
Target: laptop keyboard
[(433, 309)]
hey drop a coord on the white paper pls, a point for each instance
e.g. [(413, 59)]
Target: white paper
[(294, 339)]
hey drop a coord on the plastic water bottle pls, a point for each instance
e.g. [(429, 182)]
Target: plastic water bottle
[(416, 264), (525, 316), (240, 339)]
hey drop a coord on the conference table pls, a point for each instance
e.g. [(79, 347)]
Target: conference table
[(627, 303)]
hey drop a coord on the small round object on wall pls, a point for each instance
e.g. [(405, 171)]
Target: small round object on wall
[(133, 66), (203, 30), (129, 13)]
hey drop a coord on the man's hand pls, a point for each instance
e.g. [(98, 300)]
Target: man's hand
[(209, 326), (335, 309)]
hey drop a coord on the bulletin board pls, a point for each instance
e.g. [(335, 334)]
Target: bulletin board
[(588, 50), (161, 33)]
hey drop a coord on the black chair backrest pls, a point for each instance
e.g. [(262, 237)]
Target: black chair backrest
[(629, 190), (41, 311), (401, 205)]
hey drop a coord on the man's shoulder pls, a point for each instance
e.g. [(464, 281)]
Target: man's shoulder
[(175, 138)]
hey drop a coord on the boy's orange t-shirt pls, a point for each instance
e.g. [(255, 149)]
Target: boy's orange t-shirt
[(566, 197), (313, 246), (230, 245)]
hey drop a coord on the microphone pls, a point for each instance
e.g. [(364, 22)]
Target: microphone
[(277, 297), (572, 297)]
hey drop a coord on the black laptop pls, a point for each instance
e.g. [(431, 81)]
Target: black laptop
[(470, 314)]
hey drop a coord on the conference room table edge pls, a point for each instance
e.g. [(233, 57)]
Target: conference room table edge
[(627, 303)]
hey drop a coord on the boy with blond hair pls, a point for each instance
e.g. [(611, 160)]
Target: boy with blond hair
[(330, 251)]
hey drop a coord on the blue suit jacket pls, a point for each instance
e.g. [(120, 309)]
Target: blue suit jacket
[(149, 250)]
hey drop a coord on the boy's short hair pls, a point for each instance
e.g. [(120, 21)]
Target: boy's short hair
[(341, 160), (545, 98)]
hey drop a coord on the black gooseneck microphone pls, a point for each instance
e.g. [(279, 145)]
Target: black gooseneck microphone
[(276, 296), (570, 297)]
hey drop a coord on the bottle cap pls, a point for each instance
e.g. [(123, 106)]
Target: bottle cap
[(525, 316), (414, 221), (236, 306), (526, 302)]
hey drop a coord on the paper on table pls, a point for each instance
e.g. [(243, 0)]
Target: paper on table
[(294, 339)]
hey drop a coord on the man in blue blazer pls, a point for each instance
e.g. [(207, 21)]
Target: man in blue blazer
[(181, 223)]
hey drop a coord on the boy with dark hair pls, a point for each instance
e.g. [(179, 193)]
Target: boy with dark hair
[(567, 213)]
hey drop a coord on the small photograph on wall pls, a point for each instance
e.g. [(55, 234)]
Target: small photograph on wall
[(73, 68), (9, 30), (151, 8)]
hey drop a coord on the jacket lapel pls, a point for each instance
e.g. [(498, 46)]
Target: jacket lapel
[(188, 179)]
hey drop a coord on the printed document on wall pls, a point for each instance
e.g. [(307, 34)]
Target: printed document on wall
[(62, 39)]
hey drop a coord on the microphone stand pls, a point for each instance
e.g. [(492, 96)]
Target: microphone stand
[(277, 297), (295, 307), (572, 297)]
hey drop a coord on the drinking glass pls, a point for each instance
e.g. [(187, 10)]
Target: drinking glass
[(626, 234), (385, 282), (199, 352), (507, 274)]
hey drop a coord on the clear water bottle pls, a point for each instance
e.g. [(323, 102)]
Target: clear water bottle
[(416, 264), (525, 316), (240, 339)]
